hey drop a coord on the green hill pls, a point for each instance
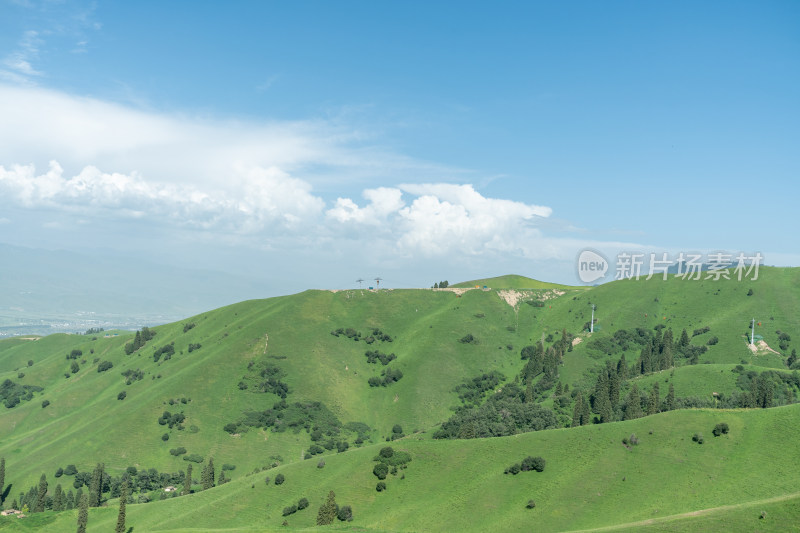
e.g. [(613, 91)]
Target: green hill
[(512, 281), (216, 367)]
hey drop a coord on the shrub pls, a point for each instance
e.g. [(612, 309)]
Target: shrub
[(321, 463), (289, 510), (633, 439), (45, 403), (70, 470), (381, 486), (228, 466), (345, 513), (122, 395), (698, 438), (302, 504), (721, 428), (21, 375), (187, 327), (374, 382), (533, 463), (193, 457), (381, 470), (59, 472), (193, 347), (531, 504), (279, 479), (713, 340), (386, 452), (165, 437), (468, 339), (513, 469), (105, 365)]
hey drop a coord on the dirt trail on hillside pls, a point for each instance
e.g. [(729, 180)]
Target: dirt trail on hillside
[(760, 346), (699, 512)]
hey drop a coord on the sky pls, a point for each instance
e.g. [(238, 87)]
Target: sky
[(311, 144)]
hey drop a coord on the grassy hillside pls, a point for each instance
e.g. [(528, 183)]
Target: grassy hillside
[(512, 281), (591, 480), (85, 422)]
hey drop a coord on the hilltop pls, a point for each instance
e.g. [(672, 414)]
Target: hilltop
[(314, 348)]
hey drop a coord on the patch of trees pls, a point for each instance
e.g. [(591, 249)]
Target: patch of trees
[(700, 331), (11, 393), (504, 413), (167, 351), (397, 433), (194, 346), (132, 375), (375, 335), (468, 339), (74, 354), (529, 464), (105, 365), (265, 377), (472, 391), (441, 284), (330, 510), (388, 377), (139, 340), (93, 331), (188, 326), (373, 356), (296, 416), (172, 420), (193, 458), (389, 461), (536, 303), (721, 429), (301, 504)]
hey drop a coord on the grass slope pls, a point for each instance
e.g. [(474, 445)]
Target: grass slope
[(85, 422), (512, 281), (591, 481)]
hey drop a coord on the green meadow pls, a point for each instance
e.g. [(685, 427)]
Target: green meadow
[(592, 481)]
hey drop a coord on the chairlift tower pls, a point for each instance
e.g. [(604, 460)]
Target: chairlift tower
[(591, 324), (378, 283), (359, 281), (753, 333)]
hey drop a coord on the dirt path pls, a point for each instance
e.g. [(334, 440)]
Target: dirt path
[(699, 512)]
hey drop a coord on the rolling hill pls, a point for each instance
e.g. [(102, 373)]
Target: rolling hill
[(312, 348)]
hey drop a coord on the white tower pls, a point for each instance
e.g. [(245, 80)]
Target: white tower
[(591, 324)]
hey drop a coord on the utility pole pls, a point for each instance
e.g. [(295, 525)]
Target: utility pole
[(591, 324)]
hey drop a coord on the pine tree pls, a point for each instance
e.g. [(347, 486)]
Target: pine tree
[(654, 403), (96, 486), (667, 357), (38, 507), (123, 496), (645, 359), (187, 484), (529, 397), (69, 502), (602, 405), (634, 407), (670, 401), (58, 498), (684, 340), (83, 513), (207, 477), (613, 388), (327, 513), (580, 415), (222, 479), (2, 478), (559, 389)]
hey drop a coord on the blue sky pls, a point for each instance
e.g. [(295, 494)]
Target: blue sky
[(312, 143)]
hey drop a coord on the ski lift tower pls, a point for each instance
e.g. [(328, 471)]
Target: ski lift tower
[(753, 333), (378, 283), (591, 324)]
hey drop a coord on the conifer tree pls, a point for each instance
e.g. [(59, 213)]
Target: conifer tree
[(622, 368), (69, 501), (670, 401), (83, 513), (613, 388), (578, 413), (327, 513), (58, 498), (207, 476), (634, 407), (559, 389), (684, 340), (602, 405), (123, 496), (187, 484), (96, 486), (654, 404), (41, 493)]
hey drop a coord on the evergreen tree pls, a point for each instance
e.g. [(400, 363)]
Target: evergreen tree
[(41, 494), (559, 389), (684, 340), (645, 359), (667, 357), (670, 401), (222, 479), (96, 486), (602, 405), (208, 474), (654, 403), (2, 478), (123, 496), (69, 501), (58, 498), (622, 368), (187, 484), (529, 397), (581, 415), (327, 513), (83, 513), (634, 404), (613, 388)]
